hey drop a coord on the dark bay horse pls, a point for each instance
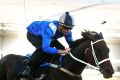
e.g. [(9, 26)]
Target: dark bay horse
[(90, 50)]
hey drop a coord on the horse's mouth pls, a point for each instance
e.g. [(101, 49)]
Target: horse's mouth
[(107, 76), (107, 73)]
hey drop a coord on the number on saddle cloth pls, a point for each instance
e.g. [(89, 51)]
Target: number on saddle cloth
[(20, 66)]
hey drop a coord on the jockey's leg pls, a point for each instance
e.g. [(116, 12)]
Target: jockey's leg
[(38, 55), (36, 41), (33, 63)]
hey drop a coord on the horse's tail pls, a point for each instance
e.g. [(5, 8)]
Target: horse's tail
[(6, 63), (9, 58), (3, 61)]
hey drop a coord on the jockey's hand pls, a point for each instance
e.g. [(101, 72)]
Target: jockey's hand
[(64, 52)]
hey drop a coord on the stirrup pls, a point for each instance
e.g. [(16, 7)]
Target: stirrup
[(42, 76), (27, 72)]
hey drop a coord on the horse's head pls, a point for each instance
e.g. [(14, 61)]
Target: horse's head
[(98, 53)]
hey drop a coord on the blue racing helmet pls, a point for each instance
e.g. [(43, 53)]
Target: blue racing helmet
[(67, 20)]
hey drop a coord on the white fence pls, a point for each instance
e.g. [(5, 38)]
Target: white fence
[(89, 74)]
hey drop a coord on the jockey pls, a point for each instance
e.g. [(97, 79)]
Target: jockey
[(43, 36)]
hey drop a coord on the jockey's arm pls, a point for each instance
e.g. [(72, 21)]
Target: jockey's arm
[(46, 40), (69, 38)]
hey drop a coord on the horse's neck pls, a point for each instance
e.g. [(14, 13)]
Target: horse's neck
[(76, 43), (81, 47), (79, 52)]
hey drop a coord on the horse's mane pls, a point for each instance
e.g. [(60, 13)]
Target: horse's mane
[(91, 35), (85, 36)]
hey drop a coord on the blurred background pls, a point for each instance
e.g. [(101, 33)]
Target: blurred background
[(98, 15)]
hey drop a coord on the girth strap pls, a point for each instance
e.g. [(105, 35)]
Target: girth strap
[(68, 72), (63, 69)]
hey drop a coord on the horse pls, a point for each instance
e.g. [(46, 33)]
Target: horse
[(90, 50)]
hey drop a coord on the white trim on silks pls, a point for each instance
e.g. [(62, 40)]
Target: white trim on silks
[(53, 27)]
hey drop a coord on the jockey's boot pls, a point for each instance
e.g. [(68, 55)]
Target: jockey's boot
[(28, 73)]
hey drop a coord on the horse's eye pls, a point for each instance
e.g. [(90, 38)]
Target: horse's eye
[(98, 51)]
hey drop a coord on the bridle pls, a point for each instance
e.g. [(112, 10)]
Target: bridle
[(94, 56), (97, 67)]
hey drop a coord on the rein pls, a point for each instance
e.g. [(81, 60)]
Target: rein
[(94, 56)]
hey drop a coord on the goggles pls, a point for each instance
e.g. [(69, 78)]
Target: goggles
[(67, 28)]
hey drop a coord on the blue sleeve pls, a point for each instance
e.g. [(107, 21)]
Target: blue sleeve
[(46, 40), (69, 38)]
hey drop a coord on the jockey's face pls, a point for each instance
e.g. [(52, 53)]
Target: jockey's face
[(65, 30)]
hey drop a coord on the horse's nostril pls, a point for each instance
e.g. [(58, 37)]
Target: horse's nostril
[(101, 70), (106, 71)]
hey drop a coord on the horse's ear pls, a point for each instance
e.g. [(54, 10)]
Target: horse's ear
[(83, 33), (101, 34), (87, 34), (86, 31)]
